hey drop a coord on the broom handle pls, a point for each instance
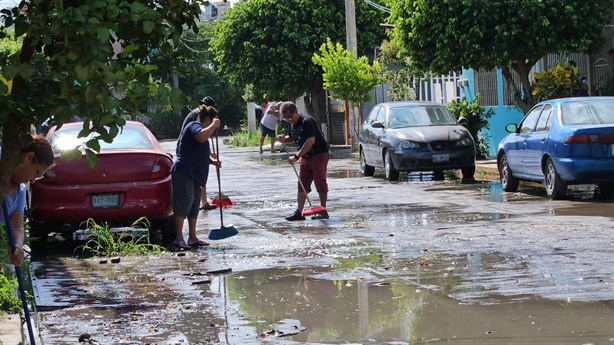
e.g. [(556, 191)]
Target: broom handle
[(298, 177), (219, 180)]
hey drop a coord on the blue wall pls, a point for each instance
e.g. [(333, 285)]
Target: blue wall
[(504, 114)]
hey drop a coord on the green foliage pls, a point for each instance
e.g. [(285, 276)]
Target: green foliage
[(9, 302), (443, 36), (67, 64), (477, 119), (345, 76), (102, 242), (243, 138), (269, 44), (560, 81)]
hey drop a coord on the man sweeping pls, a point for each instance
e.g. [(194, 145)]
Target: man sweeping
[(312, 157)]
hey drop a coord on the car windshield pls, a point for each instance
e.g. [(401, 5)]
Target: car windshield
[(415, 116), (588, 112), (130, 137)]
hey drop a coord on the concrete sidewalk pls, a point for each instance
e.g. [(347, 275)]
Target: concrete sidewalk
[(10, 332)]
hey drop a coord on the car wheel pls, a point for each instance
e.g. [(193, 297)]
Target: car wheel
[(509, 183), (365, 168), (555, 187), (168, 229), (606, 191), (468, 173), (392, 174), (438, 175)]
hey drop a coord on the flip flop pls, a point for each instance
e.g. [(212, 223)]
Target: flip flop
[(179, 246), (198, 244)]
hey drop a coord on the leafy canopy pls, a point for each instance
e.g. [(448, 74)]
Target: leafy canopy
[(268, 44), (345, 76), (442, 36), (91, 58)]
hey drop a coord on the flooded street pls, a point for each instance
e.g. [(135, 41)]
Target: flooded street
[(410, 262)]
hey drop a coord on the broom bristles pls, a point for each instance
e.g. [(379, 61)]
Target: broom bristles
[(313, 210)]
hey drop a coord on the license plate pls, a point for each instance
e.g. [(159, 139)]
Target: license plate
[(105, 200), (441, 158)]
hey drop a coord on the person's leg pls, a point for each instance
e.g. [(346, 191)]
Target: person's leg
[(261, 142), (179, 226), (203, 196), (305, 175), (183, 195), (192, 217), (320, 163), (263, 134), (273, 141)]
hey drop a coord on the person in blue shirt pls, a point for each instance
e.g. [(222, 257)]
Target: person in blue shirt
[(34, 161), (190, 172), (193, 116)]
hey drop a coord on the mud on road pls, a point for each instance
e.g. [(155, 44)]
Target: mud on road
[(408, 262)]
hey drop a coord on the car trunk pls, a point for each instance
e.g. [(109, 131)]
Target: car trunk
[(600, 140), (111, 167)]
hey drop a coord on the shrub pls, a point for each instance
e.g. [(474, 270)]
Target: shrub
[(560, 81), (477, 119), (244, 138)]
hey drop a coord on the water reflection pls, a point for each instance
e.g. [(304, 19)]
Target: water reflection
[(357, 310)]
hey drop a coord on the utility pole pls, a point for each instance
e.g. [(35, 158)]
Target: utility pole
[(352, 47)]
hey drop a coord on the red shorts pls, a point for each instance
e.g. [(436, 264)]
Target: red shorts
[(313, 169)]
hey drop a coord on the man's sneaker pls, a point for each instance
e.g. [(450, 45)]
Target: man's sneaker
[(320, 215), (295, 216)]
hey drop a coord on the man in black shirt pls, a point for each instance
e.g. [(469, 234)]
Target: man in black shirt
[(312, 156)]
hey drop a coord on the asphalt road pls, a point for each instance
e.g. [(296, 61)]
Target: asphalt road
[(403, 262)]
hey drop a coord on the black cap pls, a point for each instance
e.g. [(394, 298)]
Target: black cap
[(207, 100)]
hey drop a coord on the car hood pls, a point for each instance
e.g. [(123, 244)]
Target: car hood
[(430, 133)]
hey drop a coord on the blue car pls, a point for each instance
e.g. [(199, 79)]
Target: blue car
[(561, 142)]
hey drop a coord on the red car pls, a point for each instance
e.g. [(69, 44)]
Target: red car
[(131, 179)]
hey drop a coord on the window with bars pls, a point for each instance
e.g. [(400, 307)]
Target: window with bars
[(486, 86)]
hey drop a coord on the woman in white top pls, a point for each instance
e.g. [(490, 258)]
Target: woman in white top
[(268, 124)]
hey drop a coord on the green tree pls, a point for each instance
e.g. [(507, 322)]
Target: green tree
[(196, 77), (98, 55), (347, 77), (442, 36), (268, 45)]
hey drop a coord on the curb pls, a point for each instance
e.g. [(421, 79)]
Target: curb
[(11, 330)]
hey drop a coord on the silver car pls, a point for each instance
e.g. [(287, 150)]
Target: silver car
[(415, 136)]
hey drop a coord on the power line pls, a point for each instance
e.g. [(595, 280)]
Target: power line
[(378, 6)]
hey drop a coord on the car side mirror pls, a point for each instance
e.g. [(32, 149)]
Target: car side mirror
[(462, 121), (377, 124), (511, 128)]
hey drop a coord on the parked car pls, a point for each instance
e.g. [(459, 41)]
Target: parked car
[(131, 179), (415, 136), (561, 142)]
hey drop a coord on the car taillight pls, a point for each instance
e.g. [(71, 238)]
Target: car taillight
[(590, 138), (161, 168)]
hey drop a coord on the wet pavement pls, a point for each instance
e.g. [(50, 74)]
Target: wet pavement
[(405, 262)]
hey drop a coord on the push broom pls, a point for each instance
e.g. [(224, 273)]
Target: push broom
[(22, 291), (221, 200), (312, 210), (224, 231)]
